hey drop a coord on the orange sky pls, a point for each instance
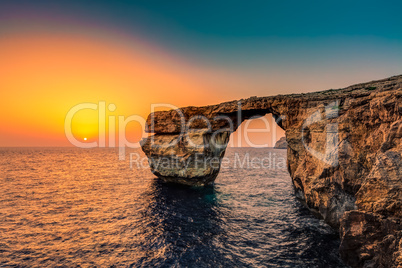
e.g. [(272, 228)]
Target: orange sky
[(56, 55), (44, 75), (45, 72)]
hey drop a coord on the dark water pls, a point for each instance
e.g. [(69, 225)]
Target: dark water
[(76, 207)]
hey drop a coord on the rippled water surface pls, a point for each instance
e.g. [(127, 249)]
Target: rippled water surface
[(78, 207)]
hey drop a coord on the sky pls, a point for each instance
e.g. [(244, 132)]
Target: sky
[(55, 55)]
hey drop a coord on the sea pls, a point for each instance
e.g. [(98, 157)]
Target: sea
[(72, 207)]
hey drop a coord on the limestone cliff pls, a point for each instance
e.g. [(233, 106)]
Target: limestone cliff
[(344, 157)]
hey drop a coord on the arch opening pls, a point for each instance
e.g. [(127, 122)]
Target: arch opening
[(258, 131)]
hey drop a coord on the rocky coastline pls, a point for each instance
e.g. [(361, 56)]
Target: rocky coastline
[(344, 156)]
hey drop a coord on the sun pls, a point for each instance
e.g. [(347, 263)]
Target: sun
[(85, 139)]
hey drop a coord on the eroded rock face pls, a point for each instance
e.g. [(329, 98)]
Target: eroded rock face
[(281, 143), (192, 158), (344, 157)]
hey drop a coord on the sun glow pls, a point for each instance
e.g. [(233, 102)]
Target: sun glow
[(63, 70)]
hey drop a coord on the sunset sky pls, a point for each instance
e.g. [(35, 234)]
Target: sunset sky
[(57, 54)]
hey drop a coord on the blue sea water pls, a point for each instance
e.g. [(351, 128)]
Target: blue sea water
[(70, 207)]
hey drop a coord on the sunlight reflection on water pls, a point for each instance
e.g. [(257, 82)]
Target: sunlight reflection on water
[(77, 207)]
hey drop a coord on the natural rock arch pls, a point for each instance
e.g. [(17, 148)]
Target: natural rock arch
[(191, 153), (354, 184)]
